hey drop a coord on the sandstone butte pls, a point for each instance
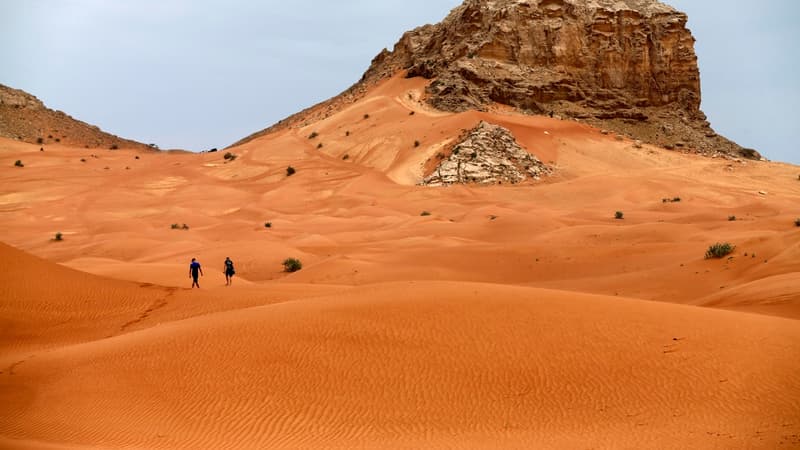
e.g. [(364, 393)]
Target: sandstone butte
[(466, 314)]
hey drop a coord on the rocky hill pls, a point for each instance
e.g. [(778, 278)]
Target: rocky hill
[(624, 65), (25, 118)]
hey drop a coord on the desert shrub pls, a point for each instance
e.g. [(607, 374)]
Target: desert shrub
[(175, 226), (425, 213), (366, 116), (347, 133), (267, 224), (731, 218), (473, 155), (114, 147), (18, 163), (58, 140), (797, 222), (83, 160), (416, 144), (229, 156), (411, 113), (676, 199), (345, 157), (290, 171), (39, 140), (619, 215), (319, 146), (136, 157), (313, 135), (58, 237), (719, 250), (292, 265), (456, 151)]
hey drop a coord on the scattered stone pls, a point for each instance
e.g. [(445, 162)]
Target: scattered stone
[(487, 154)]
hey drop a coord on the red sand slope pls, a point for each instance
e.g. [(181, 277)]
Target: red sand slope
[(513, 316)]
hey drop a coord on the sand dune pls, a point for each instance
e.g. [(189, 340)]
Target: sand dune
[(412, 364), (518, 316)]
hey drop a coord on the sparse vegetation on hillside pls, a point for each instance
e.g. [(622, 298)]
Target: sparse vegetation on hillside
[(425, 213), (39, 140), (313, 135), (176, 226), (619, 215), (114, 147), (416, 144), (719, 250), (267, 224), (58, 237), (366, 116), (797, 222), (292, 265), (345, 157), (347, 133), (290, 171), (411, 113), (671, 200), (229, 156), (731, 218), (319, 146), (18, 163)]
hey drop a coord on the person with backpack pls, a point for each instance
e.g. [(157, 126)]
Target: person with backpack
[(229, 272), (194, 272)]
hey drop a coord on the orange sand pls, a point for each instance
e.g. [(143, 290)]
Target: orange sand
[(514, 316)]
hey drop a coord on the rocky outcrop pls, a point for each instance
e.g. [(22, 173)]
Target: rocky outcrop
[(487, 154), (25, 118), (627, 65)]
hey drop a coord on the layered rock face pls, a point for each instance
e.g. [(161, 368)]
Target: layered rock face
[(487, 154), (627, 65), (24, 117)]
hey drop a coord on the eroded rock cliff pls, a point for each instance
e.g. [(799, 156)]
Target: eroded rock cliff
[(626, 65)]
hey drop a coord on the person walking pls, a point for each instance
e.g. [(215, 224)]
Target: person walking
[(194, 272), (229, 272)]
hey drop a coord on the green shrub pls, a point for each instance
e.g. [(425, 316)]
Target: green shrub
[(313, 135), (18, 163), (619, 215), (292, 265), (290, 171), (58, 237), (719, 250)]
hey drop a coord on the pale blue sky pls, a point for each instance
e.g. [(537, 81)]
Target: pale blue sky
[(201, 74)]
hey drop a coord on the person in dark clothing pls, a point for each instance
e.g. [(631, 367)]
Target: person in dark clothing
[(194, 272), (229, 272)]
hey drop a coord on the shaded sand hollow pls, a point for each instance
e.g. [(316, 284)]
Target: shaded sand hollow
[(519, 316)]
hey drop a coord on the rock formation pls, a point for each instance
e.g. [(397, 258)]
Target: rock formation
[(25, 118), (627, 65), (487, 154), (623, 65)]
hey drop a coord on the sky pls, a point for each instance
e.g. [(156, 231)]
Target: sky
[(200, 74)]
